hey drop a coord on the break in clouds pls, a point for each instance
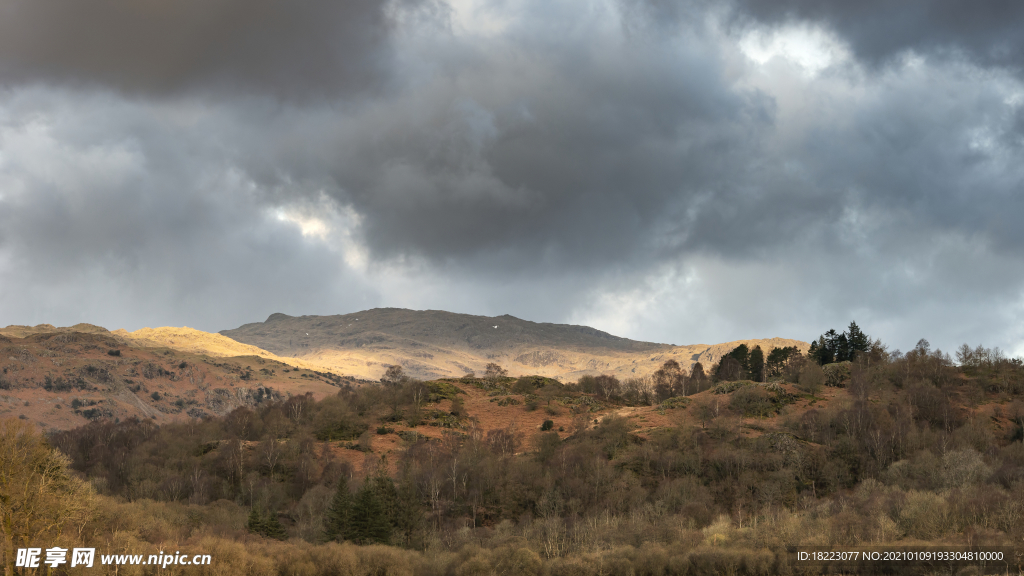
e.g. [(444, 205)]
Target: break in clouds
[(674, 172)]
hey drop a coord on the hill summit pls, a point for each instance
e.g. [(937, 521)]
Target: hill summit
[(434, 343)]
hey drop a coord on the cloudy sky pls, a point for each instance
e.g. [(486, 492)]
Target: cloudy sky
[(673, 171)]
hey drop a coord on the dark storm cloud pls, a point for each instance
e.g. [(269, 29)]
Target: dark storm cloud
[(549, 151), (131, 215), (988, 33), (294, 48)]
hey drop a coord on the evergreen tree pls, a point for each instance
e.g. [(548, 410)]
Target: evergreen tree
[(408, 518), (742, 355), (755, 364), (273, 528), (856, 340), (336, 524), (843, 352), (828, 355), (834, 347), (384, 488), (266, 525), (255, 523), (778, 359), (368, 523)]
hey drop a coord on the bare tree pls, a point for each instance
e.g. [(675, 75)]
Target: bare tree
[(393, 375), (493, 371)]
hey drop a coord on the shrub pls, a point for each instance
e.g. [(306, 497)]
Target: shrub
[(812, 377), (114, 352), (547, 425), (437, 391), (752, 401), (837, 374)]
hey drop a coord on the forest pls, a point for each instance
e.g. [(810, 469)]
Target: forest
[(850, 444)]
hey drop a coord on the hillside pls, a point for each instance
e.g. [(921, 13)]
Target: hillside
[(435, 344), (531, 476), (60, 378), (194, 341)]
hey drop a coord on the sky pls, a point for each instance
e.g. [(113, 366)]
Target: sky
[(681, 171)]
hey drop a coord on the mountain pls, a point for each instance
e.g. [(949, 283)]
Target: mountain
[(434, 343)]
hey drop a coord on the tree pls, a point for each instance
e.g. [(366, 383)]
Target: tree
[(669, 380), (778, 359), (741, 354), (830, 349), (606, 386), (393, 375), (697, 372), (255, 523), (729, 369), (812, 377), (336, 524), (755, 364), (272, 527), (368, 522), (408, 517), (494, 372), (857, 341), (834, 347), (39, 497)]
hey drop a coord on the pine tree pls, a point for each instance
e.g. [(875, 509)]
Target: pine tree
[(336, 524), (273, 528), (408, 518), (255, 523), (755, 364), (368, 524), (384, 488), (843, 352), (856, 340), (266, 525), (831, 347), (742, 355)]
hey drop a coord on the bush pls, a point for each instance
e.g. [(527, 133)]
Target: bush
[(114, 352), (752, 401), (812, 378), (837, 374), (547, 425), (437, 391)]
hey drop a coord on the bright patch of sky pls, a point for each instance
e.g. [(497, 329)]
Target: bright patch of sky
[(810, 47)]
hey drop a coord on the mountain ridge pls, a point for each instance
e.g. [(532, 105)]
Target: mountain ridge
[(436, 343)]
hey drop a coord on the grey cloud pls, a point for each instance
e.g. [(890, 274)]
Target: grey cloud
[(290, 48), (121, 217), (988, 33), (566, 153), (562, 167)]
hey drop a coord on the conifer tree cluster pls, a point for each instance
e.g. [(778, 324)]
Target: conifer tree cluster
[(266, 524), (746, 363), (378, 513), (834, 347)]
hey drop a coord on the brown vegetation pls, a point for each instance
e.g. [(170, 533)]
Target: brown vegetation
[(704, 476)]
